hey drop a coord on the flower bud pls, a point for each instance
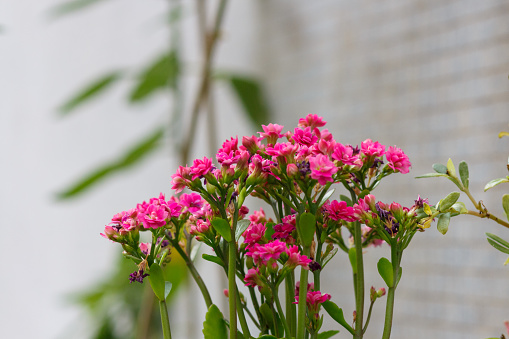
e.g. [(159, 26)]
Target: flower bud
[(292, 170), (380, 292)]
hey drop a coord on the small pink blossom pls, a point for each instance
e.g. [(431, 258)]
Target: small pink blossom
[(258, 216), (145, 247), (313, 301), (345, 155), (272, 132), (261, 254), (339, 210), (154, 217), (201, 167), (254, 233), (193, 202), (312, 121), (200, 227), (296, 259), (304, 136), (322, 169), (181, 179), (397, 160), (251, 144), (284, 231), (370, 148), (253, 278)]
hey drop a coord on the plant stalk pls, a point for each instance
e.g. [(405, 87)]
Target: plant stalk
[(165, 322), (232, 287), (303, 287), (281, 314), (359, 282)]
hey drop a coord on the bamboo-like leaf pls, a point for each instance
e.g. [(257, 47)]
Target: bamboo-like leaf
[(90, 91), (494, 183), (250, 94), (132, 156), (212, 258), (498, 246), (498, 239), (162, 73), (431, 175), (72, 7), (214, 326), (326, 197)]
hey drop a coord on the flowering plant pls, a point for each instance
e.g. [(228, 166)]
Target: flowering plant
[(294, 173)]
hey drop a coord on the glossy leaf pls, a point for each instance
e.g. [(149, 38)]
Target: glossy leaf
[(242, 225), (439, 168), (212, 258), (132, 157), (448, 201), (505, 204), (250, 94), (386, 271), (494, 183), (336, 313), (214, 326), (443, 222), (161, 74), (327, 334), (306, 225), (72, 7), (157, 282), (90, 91), (463, 169), (223, 228)]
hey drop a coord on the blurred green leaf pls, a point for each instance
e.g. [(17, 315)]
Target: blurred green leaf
[(494, 183), (439, 168), (327, 334), (463, 169), (443, 222), (132, 156), (336, 313), (505, 204), (306, 225), (90, 91), (448, 201), (223, 228), (250, 94), (72, 7), (386, 271), (270, 230), (162, 73), (326, 197), (167, 289), (214, 326), (212, 258), (157, 282)]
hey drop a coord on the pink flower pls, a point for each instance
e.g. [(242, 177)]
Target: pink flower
[(304, 136), (312, 121), (258, 216), (296, 259), (344, 154), (339, 210), (181, 179), (322, 169), (201, 167), (313, 301), (261, 254), (397, 160), (145, 247), (154, 217), (251, 144), (272, 132), (173, 209), (201, 227), (284, 232), (252, 278), (254, 233), (370, 148), (193, 202), (230, 145)]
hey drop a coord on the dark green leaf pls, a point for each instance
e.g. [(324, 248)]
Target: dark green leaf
[(250, 95), (439, 168), (223, 228), (214, 326), (448, 201), (306, 224), (267, 315), (336, 313), (267, 336), (386, 271), (463, 169), (443, 222), (270, 230), (327, 334), (132, 156), (212, 258), (242, 225), (160, 74), (494, 183), (157, 282), (71, 7), (90, 91)]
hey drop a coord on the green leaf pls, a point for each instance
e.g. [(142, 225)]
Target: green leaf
[(327, 334), (448, 201), (306, 225), (498, 247), (451, 170), (214, 326), (431, 175), (346, 199), (90, 91), (267, 315), (134, 155), (460, 207), (161, 74), (212, 258), (270, 230), (439, 168), (167, 289), (386, 271), (71, 7), (352, 255), (223, 228), (505, 204), (443, 222), (242, 225), (157, 282), (336, 313), (463, 169), (326, 197), (494, 183), (498, 239), (250, 94), (267, 336)]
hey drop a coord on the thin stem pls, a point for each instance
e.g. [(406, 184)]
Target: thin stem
[(196, 276), (165, 322), (369, 317), (303, 287), (232, 287), (290, 306), (482, 214), (242, 317), (359, 281), (318, 258), (389, 309), (280, 311)]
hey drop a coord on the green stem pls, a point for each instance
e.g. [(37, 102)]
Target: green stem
[(280, 311), (369, 317), (482, 214), (301, 326), (291, 312), (359, 282), (165, 322), (318, 259), (196, 276), (232, 287), (242, 317), (389, 308)]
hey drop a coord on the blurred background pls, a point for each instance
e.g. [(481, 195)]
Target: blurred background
[(103, 99)]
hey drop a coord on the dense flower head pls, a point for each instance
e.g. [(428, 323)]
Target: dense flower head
[(254, 233), (304, 136), (313, 301), (322, 169), (154, 217), (199, 227), (296, 259), (370, 148), (397, 160), (192, 202), (345, 155), (258, 216), (337, 210), (261, 254), (272, 132), (312, 121), (283, 232), (201, 167)]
